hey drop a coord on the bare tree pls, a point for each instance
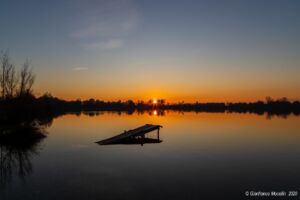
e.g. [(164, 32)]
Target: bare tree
[(26, 80), (4, 60), (11, 81), (8, 78), (13, 84)]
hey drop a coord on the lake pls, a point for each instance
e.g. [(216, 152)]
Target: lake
[(202, 155)]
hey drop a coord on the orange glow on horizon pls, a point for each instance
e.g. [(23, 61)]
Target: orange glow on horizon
[(202, 95)]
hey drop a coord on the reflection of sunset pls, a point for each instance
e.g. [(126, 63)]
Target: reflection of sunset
[(108, 123), (172, 117)]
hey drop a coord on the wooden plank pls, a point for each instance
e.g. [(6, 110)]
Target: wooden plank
[(132, 141), (142, 130)]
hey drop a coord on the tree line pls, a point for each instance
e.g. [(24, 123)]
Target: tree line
[(17, 98)]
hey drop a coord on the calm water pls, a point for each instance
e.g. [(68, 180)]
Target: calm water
[(212, 155)]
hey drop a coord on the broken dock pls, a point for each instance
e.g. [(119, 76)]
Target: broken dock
[(134, 136)]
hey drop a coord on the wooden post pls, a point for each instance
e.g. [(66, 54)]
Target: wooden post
[(158, 133)]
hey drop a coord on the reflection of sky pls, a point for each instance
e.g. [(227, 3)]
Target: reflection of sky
[(186, 128), (207, 50), (200, 153)]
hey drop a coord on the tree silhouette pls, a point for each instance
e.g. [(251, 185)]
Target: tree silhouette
[(8, 77), (13, 84), (26, 80)]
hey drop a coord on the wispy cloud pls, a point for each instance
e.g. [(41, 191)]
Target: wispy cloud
[(110, 44), (80, 68), (100, 22), (106, 28)]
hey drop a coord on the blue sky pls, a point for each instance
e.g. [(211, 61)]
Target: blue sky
[(174, 49)]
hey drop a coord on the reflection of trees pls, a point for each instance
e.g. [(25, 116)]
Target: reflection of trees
[(19, 142)]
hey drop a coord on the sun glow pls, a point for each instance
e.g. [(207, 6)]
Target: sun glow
[(154, 101)]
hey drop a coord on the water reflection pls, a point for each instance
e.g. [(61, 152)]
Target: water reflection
[(19, 141), (157, 112), (203, 155), (204, 152)]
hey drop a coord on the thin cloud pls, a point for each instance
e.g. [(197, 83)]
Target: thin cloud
[(109, 18), (110, 44), (80, 68)]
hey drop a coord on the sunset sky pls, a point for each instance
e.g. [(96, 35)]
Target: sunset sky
[(177, 50)]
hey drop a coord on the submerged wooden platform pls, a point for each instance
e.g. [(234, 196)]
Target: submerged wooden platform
[(133, 136), (132, 141)]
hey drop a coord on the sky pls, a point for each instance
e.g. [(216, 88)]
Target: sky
[(191, 50)]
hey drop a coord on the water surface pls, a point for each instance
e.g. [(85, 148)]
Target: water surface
[(210, 155)]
